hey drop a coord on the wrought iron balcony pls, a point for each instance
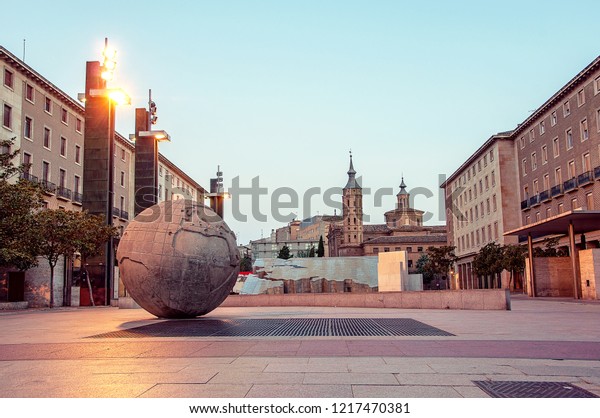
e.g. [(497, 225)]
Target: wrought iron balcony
[(597, 173), (63, 193), (116, 212), (545, 196), (125, 215), (48, 186), (556, 190), (77, 198), (29, 177), (585, 178), (570, 185), (525, 204), (534, 200)]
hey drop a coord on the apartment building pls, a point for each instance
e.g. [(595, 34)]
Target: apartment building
[(558, 153), (48, 128), (481, 204)]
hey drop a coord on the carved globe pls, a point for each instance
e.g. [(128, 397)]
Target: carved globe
[(178, 259)]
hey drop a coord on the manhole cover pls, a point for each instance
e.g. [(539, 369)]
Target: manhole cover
[(533, 390), (292, 327)]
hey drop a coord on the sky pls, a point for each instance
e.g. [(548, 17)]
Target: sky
[(282, 91)]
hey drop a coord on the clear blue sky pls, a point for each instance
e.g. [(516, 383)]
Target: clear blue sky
[(282, 90)]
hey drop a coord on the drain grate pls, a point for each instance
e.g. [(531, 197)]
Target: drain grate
[(533, 390), (292, 327)]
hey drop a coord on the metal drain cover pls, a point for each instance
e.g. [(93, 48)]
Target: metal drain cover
[(533, 390), (292, 327)]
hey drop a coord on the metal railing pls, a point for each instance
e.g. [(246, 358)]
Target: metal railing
[(545, 195), (77, 197), (556, 190), (48, 186), (570, 184), (63, 192), (585, 178)]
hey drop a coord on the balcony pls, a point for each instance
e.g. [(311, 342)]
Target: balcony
[(48, 187), (525, 204), (116, 212), (34, 179), (77, 198), (534, 200), (597, 173), (545, 196), (585, 178), (63, 193), (125, 215), (570, 185), (556, 190)]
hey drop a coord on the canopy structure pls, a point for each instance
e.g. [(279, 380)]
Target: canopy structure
[(568, 223)]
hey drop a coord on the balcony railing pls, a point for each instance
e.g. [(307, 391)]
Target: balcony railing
[(556, 190), (585, 178), (116, 212), (48, 186), (597, 173), (525, 204), (63, 192), (534, 200), (125, 215), (29, 177), (570, 185), (77, 198), (545, 196)]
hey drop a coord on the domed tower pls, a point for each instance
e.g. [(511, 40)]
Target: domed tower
[(403, 215), (352, 228)]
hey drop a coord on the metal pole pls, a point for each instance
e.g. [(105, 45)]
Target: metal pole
[(531, 269)]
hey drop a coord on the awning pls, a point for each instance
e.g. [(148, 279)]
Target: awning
[(582, 220)]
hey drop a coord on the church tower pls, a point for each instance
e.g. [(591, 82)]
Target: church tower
[(403, 215), (403, 197), (352, 229)]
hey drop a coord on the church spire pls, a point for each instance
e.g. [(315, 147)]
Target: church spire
[(352, 183)]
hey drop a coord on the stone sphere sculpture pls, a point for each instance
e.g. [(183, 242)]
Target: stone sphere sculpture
[(178, 259)]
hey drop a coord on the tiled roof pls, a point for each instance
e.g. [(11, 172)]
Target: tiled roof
[(409, 239), (376, 228)]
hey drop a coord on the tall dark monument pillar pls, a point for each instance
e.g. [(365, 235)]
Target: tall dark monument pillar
[(146, 163), (98, 169)]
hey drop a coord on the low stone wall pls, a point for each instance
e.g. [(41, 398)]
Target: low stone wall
[(9, 306), (482, 299)]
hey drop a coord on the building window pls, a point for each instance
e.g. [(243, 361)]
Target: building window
[(561, 208), (46, 137), (64, 116), (493, 178), (597, 85), (76, 182), (583, 128), (122, 178), (122, 204), (78, 125), (580, 97), (574, 204), (77, 154), (571, 168), (494, 203), (536, 187), (544, 154), (527, 220), (569, 138), (587, 162), (566, 109), (63, 146), (487, 205), (555, 147), (542, 127), (48, 105), (45, 171), (557, 177), (26, 163), (8, 78), (495, 230), (524, 166), (476, 212), (487, 183), (29, 92), (548, 212), (531, 135), (7, 117), (537, 216), (485, 160), (483, 234), (533, 161), (62, 178), (589, 201), (28, 128), (546, 181), (375, 250), (123, 154), (553, 118), (522, 142)]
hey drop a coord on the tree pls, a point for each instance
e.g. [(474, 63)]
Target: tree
[(62, 233), (514, 260), (284, 253), (311, 253), (246, 263), (423, 267), (321, 248), (549, 249), (441, 259), (18, 202), (489, 261)]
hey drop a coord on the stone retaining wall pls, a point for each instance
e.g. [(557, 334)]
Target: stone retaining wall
[(483, 299)]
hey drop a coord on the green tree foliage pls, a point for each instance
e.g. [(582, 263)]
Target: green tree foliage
[(440, 260), (321, 248), (246, 263), (311, 253), (284, 253), (423, 267), (514, 260), (489, 262), (62, 233), (549, 249), (18, 202)]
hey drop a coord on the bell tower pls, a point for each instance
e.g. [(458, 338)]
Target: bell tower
[(352, 229)]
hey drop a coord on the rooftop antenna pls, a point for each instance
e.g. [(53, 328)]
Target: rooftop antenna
[(23, 50)]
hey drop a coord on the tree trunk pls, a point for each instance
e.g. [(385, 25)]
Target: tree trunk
[(51, 285)]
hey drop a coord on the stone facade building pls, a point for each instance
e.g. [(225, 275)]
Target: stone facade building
[(403, 229)]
